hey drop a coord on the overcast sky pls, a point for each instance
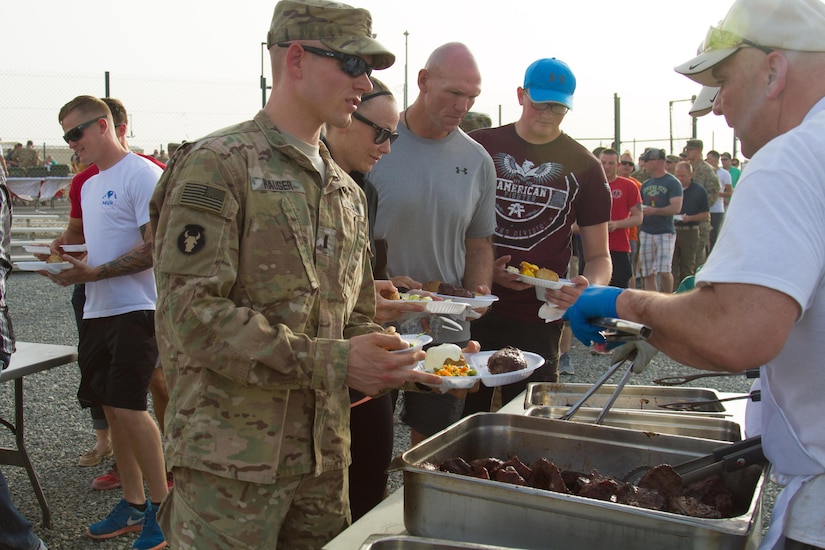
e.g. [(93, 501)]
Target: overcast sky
[(628, 48)]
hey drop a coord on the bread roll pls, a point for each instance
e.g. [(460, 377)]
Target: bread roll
[(547, 274)]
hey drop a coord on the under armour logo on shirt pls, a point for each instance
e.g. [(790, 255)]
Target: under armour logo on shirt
[(460, 170)]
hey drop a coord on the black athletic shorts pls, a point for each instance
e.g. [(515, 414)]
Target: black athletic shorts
[(117, 356)]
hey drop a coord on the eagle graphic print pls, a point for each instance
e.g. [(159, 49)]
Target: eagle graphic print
[(532, 201)]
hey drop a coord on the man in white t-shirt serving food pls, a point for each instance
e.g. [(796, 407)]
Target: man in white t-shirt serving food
[(760, 298)]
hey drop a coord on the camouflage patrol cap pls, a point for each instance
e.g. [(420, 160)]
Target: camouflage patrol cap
[(473, 121), (340, 27)]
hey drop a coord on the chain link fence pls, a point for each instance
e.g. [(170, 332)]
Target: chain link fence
[(165, 110), (161, 110)]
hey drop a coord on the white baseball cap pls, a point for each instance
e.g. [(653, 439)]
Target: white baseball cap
[(797, 25), (703, 104)]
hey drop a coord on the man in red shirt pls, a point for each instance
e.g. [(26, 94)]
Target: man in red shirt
[(625, 213)]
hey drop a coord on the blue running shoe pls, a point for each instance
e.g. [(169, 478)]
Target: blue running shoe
[(122, 519), (151, 538)]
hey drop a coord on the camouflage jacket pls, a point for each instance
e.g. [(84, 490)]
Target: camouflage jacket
[(705, 175), (262, 271)]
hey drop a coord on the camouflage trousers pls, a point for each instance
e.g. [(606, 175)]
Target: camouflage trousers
[(207, 512), (704, 240)]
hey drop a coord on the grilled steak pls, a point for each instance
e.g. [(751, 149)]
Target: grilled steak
[(659, 489), (547, 476), (664, 479), (507, 359)]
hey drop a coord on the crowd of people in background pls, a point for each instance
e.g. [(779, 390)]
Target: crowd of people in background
[(248, 285)]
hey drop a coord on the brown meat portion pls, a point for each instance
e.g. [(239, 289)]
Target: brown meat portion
[(574, 480), (480, 472), (508, 474), (446, 289), (547, 476), (603, 489), (689, 506), (522, 468), (712, 491), (641, 498), (456, 466), (507, 359), (492, 465), (663, 478)]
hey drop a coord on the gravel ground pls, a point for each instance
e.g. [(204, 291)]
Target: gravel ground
[(58, 431)]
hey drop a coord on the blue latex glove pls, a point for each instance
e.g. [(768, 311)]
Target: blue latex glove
[(594, 301)]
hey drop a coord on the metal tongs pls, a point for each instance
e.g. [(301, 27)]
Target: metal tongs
[(616, 330), (723, 459), (619, 330), (613, 368), (755, 396), (679, 380)]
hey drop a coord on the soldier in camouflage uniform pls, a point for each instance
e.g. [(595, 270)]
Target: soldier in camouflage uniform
[(705, 175), (265, 301), (26, 157), (474, 120)]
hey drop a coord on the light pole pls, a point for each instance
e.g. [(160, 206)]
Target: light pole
[(406, 60), (264, 87)]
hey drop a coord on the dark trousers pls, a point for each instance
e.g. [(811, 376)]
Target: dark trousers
[(78, 301), (371, 424), (716, 220), (796, 545), (15, 530), (622, 270)]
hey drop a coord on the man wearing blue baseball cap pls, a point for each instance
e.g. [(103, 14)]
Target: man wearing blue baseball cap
[(759, 300), (546, 183)]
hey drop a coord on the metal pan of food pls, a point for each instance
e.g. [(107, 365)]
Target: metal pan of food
[(633, 397), (444, 505), (690, 425), (407, 542)]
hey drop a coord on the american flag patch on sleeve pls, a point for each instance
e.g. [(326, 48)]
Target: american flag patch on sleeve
[(203, 197)]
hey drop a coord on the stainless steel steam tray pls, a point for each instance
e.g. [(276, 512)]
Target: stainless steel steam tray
[(690, 425), (448, 506), (636, 398)]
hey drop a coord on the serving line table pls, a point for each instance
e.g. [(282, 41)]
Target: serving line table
[(29, 359), (388, 517)]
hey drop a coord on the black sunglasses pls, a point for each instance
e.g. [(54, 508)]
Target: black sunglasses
[(556, 108), (77, 132), (350, 64), (628, 163), (381, 134)]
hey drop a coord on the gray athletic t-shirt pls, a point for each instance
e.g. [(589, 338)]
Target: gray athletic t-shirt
[(658, 192), (433, 194)]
